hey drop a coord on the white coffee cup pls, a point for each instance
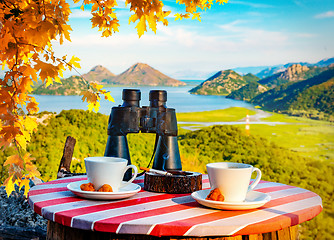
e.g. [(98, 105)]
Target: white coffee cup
[(108, 170), (232, 179)]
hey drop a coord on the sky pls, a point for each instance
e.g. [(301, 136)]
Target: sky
[(239, 33)]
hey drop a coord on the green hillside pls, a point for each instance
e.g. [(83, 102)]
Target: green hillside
[(294, 73), (70, 86), (250, 78), (248, 91), (222, 83), (313, 94), (319, 98)]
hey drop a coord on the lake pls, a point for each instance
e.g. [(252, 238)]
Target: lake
[(177, 97)]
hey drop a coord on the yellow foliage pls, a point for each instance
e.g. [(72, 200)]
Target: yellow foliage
[(27, 30)]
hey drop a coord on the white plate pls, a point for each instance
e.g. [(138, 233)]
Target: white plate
[(125, 192), (253, 200)]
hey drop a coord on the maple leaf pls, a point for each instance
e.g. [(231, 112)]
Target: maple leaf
[(9, 185), (47, 71), (31, 168), (88, 96), (97, 86), (32, 106), (197, 16), (14, 159), (74, 62), (107, 96), (25, 183), (94, 106), (48, 81), (141, 26), (22, 141), (133, 18)]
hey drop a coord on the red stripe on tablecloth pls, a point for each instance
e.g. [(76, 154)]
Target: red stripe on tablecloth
[(286, 220), (111, 224), (38, 207), (46, 190), (65, 180), (205, 180), (65, 217), (292, 198), (180, 227)]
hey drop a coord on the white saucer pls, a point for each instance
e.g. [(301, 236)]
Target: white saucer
[(125, 192), (253, 200)]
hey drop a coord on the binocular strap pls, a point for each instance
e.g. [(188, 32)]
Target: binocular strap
[(154, 150)]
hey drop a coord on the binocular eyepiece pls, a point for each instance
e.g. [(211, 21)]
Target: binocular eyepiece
[(132, 97), (155, 118)]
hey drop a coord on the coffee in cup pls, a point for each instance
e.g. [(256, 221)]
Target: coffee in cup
[(108, 170), (232, 179)]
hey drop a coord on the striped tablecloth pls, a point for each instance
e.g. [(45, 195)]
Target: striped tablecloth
[(161, 214)]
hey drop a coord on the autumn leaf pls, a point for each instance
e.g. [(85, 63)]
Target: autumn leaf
[(197, 16), (22, 141), (107, 96), (94, 106), (74, 62), (88, 96), (14, 159), (96, 86), (141, 26), (178, 16), (25, 183), (9, 185), (31, 168)]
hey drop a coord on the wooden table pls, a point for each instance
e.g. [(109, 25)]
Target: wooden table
[(149, 215)]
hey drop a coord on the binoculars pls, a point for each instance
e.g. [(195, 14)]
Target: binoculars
[(155, 118)]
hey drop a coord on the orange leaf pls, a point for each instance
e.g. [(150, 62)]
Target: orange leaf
[(14, 159)]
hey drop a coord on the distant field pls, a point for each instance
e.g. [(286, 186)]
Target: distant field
[(310, 138), (222, 115)]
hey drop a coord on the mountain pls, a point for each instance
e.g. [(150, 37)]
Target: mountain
[(251, 78), (270, 71), (222, 83), (248, 92), (315, 93), (98, 74), (295, 72), (280, 68), (143, 74), (70, 86), (325, 62)]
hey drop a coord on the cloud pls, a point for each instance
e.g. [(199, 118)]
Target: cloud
[(328, 14), (247, 37), (254, 5), (78, 13)]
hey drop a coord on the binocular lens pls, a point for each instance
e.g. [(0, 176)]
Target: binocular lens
[(131, 97), (158, 98)]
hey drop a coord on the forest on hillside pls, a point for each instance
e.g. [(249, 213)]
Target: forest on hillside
[(197, 148)]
